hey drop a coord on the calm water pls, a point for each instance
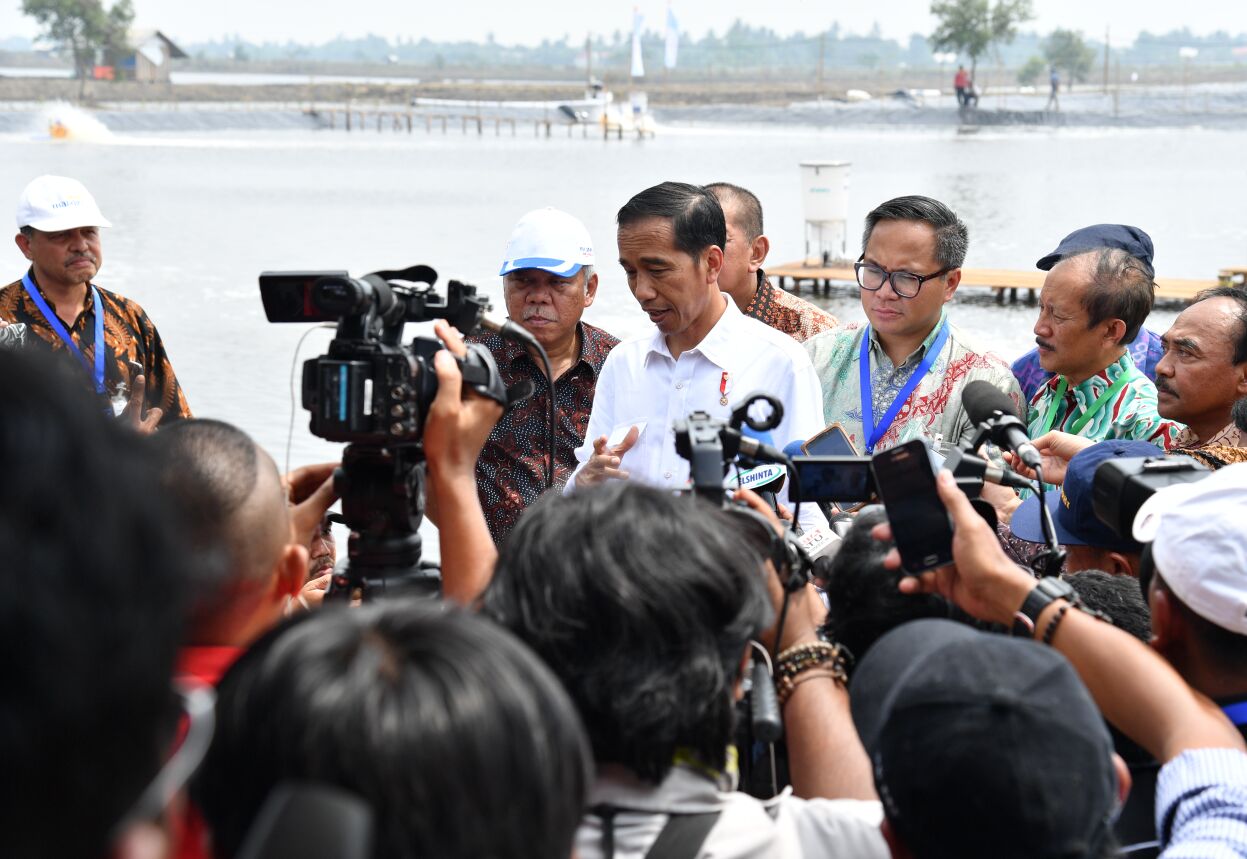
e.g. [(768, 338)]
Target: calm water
[(197, 216)]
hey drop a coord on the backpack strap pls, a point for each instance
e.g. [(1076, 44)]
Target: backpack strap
[(683, 836)]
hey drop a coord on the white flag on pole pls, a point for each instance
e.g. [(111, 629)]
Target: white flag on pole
[(638, 67), (673, 39)]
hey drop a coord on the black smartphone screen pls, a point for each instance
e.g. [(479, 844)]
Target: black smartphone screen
[(832, 441), (905, 479), (839, 480)]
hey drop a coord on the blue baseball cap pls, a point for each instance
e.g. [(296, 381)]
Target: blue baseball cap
[(1132, 240), (1072, 507)]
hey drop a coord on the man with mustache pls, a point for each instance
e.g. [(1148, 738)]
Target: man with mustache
[(900, 376), (1204, 369), (547, 282), (111, 337), (1098, 291)]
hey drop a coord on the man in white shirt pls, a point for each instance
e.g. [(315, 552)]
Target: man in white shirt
[(703, 353)]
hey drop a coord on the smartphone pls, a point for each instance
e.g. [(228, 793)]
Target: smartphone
[(832, 441), (905, 480), (839, 480)]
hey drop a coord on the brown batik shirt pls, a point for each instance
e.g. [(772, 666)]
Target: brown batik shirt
[(785, 312), (512, 469), (128, 336)]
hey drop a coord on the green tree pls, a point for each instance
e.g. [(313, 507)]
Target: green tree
[(973, 27), (1030, 73), (1066, 50), (85, 28)]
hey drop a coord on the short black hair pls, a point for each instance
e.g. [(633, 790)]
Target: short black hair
[(696, 217), (90, 614), (1117, 596), (952, 239), (458, 737), (1121, 287), (1239, 413), (864, 603), (27, 231), (1239, 294), (642, 603), (211, 469), (747, 205)]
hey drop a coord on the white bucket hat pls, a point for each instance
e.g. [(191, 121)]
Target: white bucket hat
[(1199, 543), (54, 203), (550, 240)]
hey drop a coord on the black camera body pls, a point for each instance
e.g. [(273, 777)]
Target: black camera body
[(370, 388), (1122, 485), (374, 392)]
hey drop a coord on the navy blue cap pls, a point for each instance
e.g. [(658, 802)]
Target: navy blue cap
[(1073, 511), (1132, 240)]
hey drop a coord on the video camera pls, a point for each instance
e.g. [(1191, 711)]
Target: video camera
[(1122, 485), (374, 392)]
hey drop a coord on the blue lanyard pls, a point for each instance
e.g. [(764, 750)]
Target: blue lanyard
[(1237, 713), (873, 432), (59, 328)]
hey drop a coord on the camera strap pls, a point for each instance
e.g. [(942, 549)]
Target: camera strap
[(870, 431), (683, 836), (55, 322)]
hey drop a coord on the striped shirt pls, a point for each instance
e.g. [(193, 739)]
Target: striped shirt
[(1201, 805)]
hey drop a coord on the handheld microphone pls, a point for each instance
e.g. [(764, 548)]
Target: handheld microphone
[(989, 407), (507, 329), (970, 469), (757, 450)]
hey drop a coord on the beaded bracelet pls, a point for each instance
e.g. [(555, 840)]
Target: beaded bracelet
[(794, 660), (787, 685), (1050, 630)]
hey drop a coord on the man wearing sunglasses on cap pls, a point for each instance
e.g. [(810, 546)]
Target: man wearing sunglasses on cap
[(899, 377)]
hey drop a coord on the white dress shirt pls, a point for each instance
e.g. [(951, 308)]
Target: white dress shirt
[(642, 385)]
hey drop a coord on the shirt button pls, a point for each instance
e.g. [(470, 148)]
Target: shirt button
[(679, 385), (667, 475)]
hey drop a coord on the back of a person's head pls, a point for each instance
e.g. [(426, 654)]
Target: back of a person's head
[(90, 616), (642, 603), (864, 602), (232, 499), (1116, 596), (458, 737)]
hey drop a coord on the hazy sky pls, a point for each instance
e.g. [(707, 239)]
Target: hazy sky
[(530, 22)]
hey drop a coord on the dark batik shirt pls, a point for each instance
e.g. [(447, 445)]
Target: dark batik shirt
[(128, 336), (511, 471), (785, 312)]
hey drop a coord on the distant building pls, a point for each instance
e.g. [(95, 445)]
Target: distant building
[(152, 58)]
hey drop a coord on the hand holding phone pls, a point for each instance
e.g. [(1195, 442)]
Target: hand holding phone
[(905, 480)]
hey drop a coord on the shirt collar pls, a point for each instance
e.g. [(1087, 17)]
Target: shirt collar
[(918, 353), (717, 346), (1097, 384), (516, 353)]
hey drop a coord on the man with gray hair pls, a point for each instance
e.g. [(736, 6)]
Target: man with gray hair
[(900, 376), (1098, 291), (547, 282)]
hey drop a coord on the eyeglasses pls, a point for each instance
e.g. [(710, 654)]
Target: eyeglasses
[(904, 284)]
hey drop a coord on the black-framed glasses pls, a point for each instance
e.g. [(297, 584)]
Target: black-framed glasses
[(904, 284)]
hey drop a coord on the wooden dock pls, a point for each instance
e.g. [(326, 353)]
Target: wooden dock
[(1004, 282), (350, 118)]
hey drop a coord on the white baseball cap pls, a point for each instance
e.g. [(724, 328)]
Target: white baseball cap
[(54, 203), (1199, 543), (550, 240)]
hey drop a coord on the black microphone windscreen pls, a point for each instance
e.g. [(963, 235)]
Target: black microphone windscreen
[(981, 399)]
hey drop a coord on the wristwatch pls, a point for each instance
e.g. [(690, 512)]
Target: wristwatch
[(1046, 591)]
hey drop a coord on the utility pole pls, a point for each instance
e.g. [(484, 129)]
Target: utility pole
[(1106, 51)]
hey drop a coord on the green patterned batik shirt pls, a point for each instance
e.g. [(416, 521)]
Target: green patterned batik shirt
[(1131, 413)]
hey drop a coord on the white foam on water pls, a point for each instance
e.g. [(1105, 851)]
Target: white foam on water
[(62, 122)]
